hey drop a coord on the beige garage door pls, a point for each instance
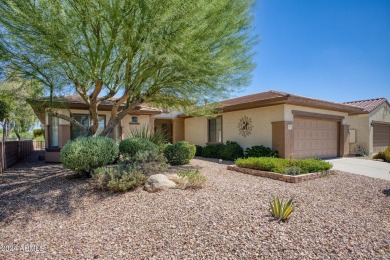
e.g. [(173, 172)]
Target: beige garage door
[(315, 138), (381, 137)]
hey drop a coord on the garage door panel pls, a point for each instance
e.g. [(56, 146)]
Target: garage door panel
[(381, 137), (315, 138)]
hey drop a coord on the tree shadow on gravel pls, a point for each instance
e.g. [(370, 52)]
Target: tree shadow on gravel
[(386, 192), (36, 186)]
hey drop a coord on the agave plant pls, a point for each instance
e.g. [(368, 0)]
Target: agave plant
[(158, 137), (281, 210)]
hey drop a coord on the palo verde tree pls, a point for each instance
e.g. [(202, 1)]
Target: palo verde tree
[(169, 53)]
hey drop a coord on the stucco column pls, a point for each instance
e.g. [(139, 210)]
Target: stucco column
[(283, 138), (177, 130), (344, 140)]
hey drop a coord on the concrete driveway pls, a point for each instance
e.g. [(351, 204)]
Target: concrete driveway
[(371, 168)]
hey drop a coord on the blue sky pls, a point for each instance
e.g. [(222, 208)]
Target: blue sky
[(332, 50)]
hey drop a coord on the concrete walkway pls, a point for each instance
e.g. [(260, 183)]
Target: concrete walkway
[(371, 168)]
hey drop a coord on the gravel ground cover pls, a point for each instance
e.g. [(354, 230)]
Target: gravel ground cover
[(45, 211)]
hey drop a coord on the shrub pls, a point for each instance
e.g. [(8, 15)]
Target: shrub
[(280, 165), (199, 150), (85, 154), (38, 132), (129, 147), (179, 153), (280, 210), (260, 151), (118, 178), (231, 151), (293, 170), (313, 165), (193, 179), (157, 137), (149, 162), (385, 155), (212, 151)]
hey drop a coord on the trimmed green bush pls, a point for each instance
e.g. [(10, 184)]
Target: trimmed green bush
[(85, 154), (129, 147), (117, 178), (179, 153), (199, 150), (282, 166), (231, 151), (260, 151), (385, 155), (212, 151)]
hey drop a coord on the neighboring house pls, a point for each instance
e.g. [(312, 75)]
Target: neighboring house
[(370, 128), (59, 131), (295, 126)]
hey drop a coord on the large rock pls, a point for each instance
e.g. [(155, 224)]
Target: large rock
[(159, 182)]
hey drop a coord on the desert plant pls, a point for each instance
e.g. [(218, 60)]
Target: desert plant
[(117, 178), (149, 162), (385, 155), (144, 132), (260, 151), (129, 147), (280, 165), (231, 151), (292, 170), (193, 179), (280, 210), (85, 154), (179, 153)]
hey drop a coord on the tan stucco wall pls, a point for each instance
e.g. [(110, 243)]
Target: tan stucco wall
[(195, 130), (361, 124), (262, 119), (127, 126), (289, 116)]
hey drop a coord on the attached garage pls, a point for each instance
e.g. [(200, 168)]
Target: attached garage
[(381, 136), (317, 138)]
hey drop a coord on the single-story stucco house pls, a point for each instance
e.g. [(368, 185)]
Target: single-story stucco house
[(371, 128), (59, 131), (295, 126)]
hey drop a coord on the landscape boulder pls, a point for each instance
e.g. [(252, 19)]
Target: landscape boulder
[(158, 182)]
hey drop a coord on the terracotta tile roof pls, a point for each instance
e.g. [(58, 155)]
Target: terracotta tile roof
[(76, 99), (368, 105), (273, 96)]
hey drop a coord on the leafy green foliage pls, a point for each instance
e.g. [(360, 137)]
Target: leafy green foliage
[(38, 132), (280, 210), (4, 110), (193, 179), (85, 154), (212, 151), (129, 147), (292, 170), (163, 53), (147, 161), (260, 151), (157, 137), (179, 153), (199, 149), (117, 178), (229, 151), (21, 118), (281, 165), (385, 155)]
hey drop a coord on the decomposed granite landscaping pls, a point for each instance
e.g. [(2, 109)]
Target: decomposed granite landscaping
[(45, 213)]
